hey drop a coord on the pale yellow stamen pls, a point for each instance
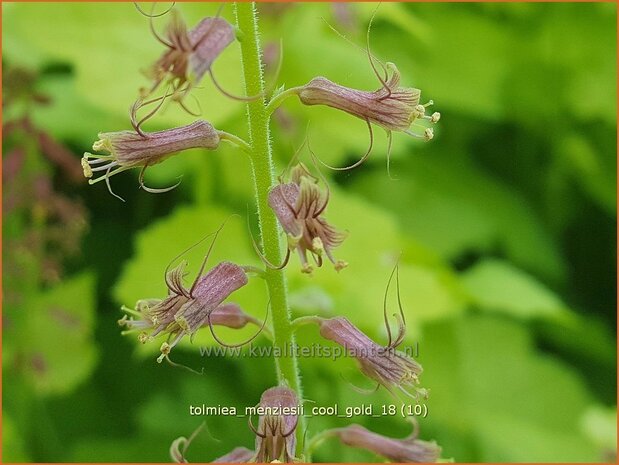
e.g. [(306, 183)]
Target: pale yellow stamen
[(307, 268), (102, 145), (293, 241), (340, 265), (317, 246), (165, 351), (86, 167)]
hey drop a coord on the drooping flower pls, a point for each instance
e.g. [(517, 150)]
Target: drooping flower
[(190, 53), (184, 311), (388, 366), (391, 107), (128, 149), (405, 450), (275, 435), (299, 206)]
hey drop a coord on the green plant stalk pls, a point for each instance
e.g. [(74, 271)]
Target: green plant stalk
[(264, 179)]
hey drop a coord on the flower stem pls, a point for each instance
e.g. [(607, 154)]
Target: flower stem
[(264, 179), (278, 99)]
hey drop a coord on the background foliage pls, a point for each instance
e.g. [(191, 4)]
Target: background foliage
[(506, 222)]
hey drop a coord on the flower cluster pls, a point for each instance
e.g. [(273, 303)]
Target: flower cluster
[(299, 204)]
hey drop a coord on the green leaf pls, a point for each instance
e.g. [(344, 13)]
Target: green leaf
[(59, 340), (453, 208), (487, 381), (600, 425), (497, 285), (12, 442), (593, 168)]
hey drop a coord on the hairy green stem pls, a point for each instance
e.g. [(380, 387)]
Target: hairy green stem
[(264, 180)]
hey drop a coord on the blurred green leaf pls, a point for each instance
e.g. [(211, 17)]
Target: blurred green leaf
[(496, 285), (487, 379), (59, 339), (591, 169), (600, 425), (13, 447), (453, 208)]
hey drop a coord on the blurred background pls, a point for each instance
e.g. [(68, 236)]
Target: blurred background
[(506, 222)]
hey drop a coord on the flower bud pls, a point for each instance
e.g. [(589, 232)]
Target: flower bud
[(275, 436), (232, 316), (386, 365), (405, 450)]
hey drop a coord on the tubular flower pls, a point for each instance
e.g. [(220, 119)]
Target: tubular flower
[(386, 365), (190, 53), (405, 450), (391, 107), (275, 438), (128, 149), (299, 206), (184, 311)]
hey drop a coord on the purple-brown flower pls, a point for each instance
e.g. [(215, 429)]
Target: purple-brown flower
[(184, 311), (391, 107), (299, 206), (389, 367), (405, 450), (275, 435), (190, 53), (124, 150)]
